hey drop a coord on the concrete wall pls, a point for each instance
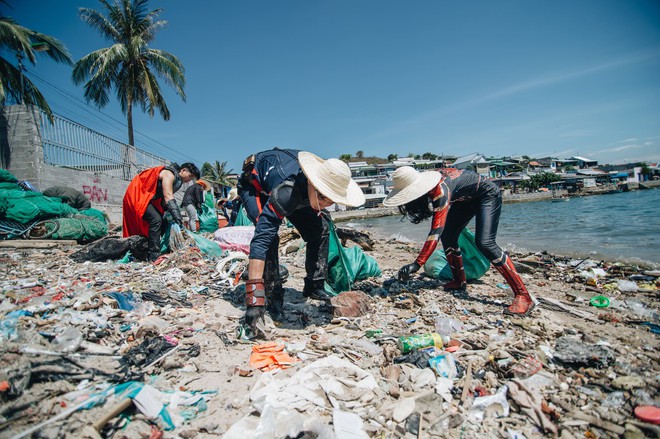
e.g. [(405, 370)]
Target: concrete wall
[(25, 159)]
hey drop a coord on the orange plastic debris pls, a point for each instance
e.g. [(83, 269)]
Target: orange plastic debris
[(270, 356)]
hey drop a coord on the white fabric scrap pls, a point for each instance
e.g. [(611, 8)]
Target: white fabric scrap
[(496, 402), (348, 425), (149, 401), (312, 386)]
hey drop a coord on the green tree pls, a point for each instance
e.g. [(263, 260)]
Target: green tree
[(359, 154), (129, 65), (217, 173), (392, 157), (429, 156), (24, 44), (345, 157), (645, 169), (539, 180)]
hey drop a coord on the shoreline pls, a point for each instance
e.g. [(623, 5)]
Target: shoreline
[(377, 212)]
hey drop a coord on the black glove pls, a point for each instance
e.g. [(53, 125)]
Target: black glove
[(173, 209), (254, 317), (407, 270)]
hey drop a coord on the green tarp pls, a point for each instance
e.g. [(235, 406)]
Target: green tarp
[(61, 220), (347, 265), (475, 264)]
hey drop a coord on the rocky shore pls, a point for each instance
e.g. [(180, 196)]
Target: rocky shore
[(77, 337)]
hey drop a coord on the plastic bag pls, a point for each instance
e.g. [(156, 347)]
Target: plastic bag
[(235, 238), (242, 218), (208, 247), (474, 263), (208, 218), (347, 265)]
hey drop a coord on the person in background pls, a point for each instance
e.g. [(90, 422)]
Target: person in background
[(192, 202), (235, 206), (221, 207), (452, 198), (70, 196), (147, 197), (297, 185)]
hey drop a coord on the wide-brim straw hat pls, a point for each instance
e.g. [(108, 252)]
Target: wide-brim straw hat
[(233, 194), (204, 184), (410, 184), (332, 178)]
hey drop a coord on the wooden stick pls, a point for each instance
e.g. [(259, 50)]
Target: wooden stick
[(467, 383), (117, 409), (606, 425)]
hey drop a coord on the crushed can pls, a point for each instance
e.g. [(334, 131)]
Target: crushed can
[(414, 342)]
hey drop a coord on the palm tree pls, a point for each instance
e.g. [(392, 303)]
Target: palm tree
[(217, 173), (24, 43), (129, 64)]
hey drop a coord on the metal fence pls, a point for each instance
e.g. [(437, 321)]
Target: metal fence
[(67, 143)]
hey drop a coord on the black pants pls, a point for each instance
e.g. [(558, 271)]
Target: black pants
[(156, 229), (485, 206), (316, 233)]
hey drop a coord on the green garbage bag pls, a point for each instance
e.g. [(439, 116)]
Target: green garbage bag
[(242, 218), (474, 263), (347, 265), (207, 246), (208, 218)]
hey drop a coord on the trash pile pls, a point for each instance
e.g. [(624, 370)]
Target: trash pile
[(110, 349)]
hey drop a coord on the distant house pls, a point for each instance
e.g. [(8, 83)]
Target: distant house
[(474, 161), (500, 168), (583, 162), (555, 164)]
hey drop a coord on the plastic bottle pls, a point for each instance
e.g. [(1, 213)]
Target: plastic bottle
[(413, 342)]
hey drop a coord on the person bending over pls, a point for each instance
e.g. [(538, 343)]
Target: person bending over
[(192, 202), (297, 185), (148, 195), (452, 198)]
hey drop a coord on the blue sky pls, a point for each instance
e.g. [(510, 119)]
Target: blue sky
[(527, 77)]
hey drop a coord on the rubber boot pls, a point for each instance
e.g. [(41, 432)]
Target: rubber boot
[(275, 303), (152, 256), (523, 304), (315, 290), (455, 261)]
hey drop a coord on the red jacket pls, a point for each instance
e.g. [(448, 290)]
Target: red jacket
[(139, 194)]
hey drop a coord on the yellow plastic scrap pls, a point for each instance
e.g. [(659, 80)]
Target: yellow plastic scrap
[(612, 286)]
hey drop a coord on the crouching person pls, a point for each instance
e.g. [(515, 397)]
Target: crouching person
[(297, 185)]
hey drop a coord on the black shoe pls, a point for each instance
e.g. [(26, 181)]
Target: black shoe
[(315, 290)]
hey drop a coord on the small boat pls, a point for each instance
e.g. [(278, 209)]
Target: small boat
[(561, 198)]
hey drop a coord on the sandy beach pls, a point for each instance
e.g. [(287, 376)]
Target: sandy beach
[(570, 370)]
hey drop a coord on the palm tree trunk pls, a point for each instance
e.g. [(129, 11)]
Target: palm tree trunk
[(129, 116)]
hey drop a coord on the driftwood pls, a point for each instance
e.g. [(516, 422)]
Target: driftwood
[(360, 238)]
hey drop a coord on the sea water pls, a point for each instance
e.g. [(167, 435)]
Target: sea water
[(614, 227)]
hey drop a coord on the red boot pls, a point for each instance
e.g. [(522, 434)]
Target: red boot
[(523, 304), (455, 261)]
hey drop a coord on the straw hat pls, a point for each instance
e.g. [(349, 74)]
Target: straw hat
[(204, 184), (410, 184), (233, 194), (219, 202), (332, 178)]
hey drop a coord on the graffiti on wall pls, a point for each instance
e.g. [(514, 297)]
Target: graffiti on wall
[(95, 194)]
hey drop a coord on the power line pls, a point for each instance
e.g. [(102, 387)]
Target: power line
[(85, 106)]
